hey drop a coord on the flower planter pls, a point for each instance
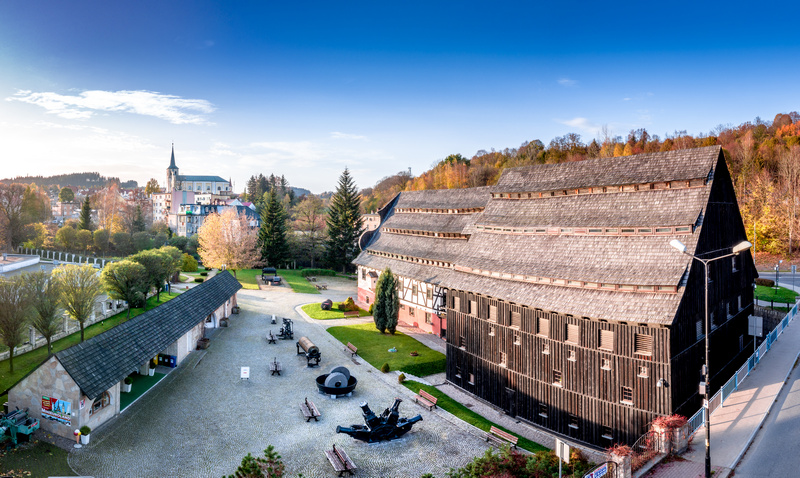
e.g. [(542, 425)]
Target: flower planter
[(223, 323), (203, 343), (235, 309), (85, 439), (126, 387), (151, 371)]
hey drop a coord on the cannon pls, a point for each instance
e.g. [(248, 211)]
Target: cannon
[(310, 350), (286, 332), (18, 423), (387, 426), (326, 305), (336, 383)]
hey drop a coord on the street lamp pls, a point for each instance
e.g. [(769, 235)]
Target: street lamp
[(742, 246), (777, 269)]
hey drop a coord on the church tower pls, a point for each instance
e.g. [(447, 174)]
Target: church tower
[(172, 173)]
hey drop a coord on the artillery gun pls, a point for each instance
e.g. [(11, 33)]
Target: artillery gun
[(387, 426)]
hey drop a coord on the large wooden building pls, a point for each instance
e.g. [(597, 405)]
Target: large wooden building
[(564, 303)]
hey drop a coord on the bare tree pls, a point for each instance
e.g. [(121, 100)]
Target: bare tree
[(789, 170), (228, 239), (309, 221), (14, 314), (80, 287), (44, 292)]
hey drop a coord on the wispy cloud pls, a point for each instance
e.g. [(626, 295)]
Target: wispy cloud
[(339, 135), (582, 124), (567, 82), (171, 108)]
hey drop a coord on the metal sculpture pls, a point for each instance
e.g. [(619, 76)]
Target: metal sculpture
[(337, 383), (387, 426), (286, 332), (306, 347)]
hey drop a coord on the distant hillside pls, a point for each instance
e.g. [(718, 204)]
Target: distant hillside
[(300, 192), (81, 180)]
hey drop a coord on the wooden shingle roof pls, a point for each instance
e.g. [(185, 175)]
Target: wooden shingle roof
[(102, 361), (444, 198), (429, 222)]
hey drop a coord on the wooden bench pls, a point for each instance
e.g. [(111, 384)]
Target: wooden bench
[(321, 286), (499, 438), (275, 367), (340, 461), (271, 338), (425, 399), (352, 349), (309, 410), (349, 314)]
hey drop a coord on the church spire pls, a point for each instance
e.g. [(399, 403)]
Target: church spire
[(172, 160)]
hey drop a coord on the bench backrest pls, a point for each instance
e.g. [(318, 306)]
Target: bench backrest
[(507, 436), (351, 346), (427, 396)]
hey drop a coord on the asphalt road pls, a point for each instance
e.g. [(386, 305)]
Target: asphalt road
[(774, 451)]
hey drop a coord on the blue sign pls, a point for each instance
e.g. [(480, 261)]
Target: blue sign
[(602, 470)]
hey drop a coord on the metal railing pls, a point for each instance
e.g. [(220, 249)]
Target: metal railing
[(698, 419)]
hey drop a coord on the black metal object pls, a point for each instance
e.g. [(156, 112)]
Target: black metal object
[(387, 426), (337, 383), (310, 350), (326, 305), (286, 332)]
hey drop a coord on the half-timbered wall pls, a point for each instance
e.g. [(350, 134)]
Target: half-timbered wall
[(519, 359)]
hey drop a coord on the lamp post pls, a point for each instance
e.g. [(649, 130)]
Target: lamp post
[(777, 270), (742, 246)]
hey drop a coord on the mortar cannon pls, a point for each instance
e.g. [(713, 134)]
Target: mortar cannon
[(387, 426)]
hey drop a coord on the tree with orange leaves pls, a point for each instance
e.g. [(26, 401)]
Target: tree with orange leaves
[(228, 240)]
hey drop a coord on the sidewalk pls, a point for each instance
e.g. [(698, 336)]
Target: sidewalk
[(735, 424)]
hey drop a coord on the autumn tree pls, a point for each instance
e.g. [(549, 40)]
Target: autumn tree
[(387, 302), (109, 204), (80, 287), (66, 195), (44, 292), (14, 314), (345, 224), (227, 239), (151, 187), (67, 238), (309, 221), (86, 215), (272, 235), (20, 205), (126, 280), (83, 239), (100, 240)]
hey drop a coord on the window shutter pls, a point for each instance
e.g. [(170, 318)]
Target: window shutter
[(543, 327), (493, 313), (643, 344), (573, 333), (516, 319), (607, 340)]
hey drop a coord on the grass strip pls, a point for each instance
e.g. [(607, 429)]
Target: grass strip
[(37, 459), (374, 346), (297, 282), (781, 294), (140, 384), (445, 402), (315, 312)]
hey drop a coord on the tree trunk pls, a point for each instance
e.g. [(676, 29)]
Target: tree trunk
[(49, 347), (11, 359), (81, 322)]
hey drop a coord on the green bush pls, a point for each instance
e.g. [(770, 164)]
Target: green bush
[(204, 273), (85, 430), (128, 380), (199, 279), (401, 378), (371, 308), (765, 282), (385, 367), (317, 272), (188, 263), (348, 305)]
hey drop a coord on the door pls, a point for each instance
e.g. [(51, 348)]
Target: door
[(511, 402)]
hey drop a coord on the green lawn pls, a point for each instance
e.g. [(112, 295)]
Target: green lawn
[(297, 282), (464, 413), (374, 346), (35, 460), (782, 294), (26, 362), (248, 278), (141, 384), (315, 312)]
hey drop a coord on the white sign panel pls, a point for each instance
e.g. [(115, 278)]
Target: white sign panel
[(245, 373), (562, 451), (755, 326)]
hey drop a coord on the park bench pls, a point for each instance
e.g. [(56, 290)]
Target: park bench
[(425, 399), (275, 367), (349, 314), (499, 437), (352, 349), (321, 286), (271, 338), (311, 279), (309, 410), (340, 461)]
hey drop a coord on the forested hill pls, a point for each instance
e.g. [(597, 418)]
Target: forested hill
[(764, 159), (75, 179)]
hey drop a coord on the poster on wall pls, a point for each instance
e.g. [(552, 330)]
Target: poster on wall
[(58, 410)]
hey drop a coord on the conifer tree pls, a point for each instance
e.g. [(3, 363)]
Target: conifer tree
[(272, 236), (345, 224), (86, 216), (387, 302)]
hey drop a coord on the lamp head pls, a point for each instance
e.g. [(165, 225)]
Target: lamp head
[(678, 245), (742, 246)]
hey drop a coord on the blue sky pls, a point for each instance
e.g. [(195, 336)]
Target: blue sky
[(305, 89)]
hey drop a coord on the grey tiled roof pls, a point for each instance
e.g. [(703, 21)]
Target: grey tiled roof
[(183, 177), (678, 165), (102, 361), (444, 198)]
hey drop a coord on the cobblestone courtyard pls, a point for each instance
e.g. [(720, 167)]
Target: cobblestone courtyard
[(202, 418)]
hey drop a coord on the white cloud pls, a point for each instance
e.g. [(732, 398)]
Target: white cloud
[(567, 82), (339, 135), (626, 99), (582, 124), (171, 108)]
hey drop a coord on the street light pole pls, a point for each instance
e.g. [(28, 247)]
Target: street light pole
[(742, 246)]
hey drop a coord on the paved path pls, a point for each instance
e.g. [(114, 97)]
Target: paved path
[(735, 425), (202, 419)]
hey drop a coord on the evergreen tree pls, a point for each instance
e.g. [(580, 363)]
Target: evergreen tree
[(272, 236), (345, 224), (138, 224), (86, 215), (387, 302)]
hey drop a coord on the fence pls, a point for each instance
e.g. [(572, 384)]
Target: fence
[(699, 419)]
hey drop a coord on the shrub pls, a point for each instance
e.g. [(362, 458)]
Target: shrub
[(765, 282), (401, 378), (85, 430), (385, 367), (128, 381), (348, 305), (199, 279), (317, 272), (671, 421), (204, 273), (188, 263), (371, 308)]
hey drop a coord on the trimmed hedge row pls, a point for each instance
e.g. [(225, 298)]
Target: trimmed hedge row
[(765, 282), (317, 272)]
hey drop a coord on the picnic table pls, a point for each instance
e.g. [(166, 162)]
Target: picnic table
[(275, 367)]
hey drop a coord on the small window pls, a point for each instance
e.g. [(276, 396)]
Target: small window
[(363, 274), (558, 379), (573, 421), (542, 410), (546, 348), (627, 395), (573, 333), (543, 327), (643, 372), (458, 372), (739, 302), (682, 229), (473, 307), (607, 433), (699, 329), (493, 313), (429, 293), (663, 230), (711, 320), (471, 379), (100, 403), (728, 309), (644, 231), (517, 340), (643, 344), (491, 331), (414, 289), (462, 343), (516, 319), (503, 359), (411, 311), (605, 364), (572, 356), (607, 340)]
